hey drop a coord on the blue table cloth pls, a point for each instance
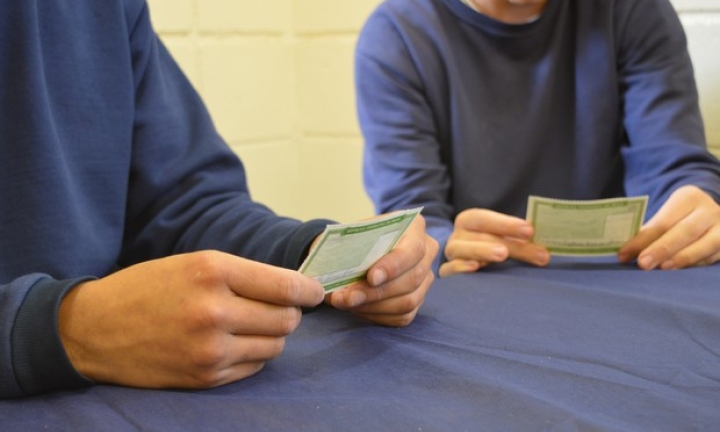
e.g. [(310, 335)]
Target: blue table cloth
[(579, 346)]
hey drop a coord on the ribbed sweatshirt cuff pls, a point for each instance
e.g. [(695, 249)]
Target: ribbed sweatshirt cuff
[(39, 359)]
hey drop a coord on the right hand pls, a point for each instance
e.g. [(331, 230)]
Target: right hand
[(482, 236), (196, 320)]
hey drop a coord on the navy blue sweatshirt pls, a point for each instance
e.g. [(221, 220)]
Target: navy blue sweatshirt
[(594, 99), (107, 158)]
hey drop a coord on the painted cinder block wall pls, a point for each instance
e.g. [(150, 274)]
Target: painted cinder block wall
[(277, 78)]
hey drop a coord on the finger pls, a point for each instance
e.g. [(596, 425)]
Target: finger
[(233, 373), (704, 251), (459, 235), (531, 253), (681, 203), (458, 266), (652, 231), (414, 247), (270, 284), (647, 235), (254, 349), (230, 359), (498, 250), (254, 318), (712, 259), (681, 234), (488, 221), (491, 251), (396, 311)]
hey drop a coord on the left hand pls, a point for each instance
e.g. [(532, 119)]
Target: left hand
[(396, 284), (684, 232)]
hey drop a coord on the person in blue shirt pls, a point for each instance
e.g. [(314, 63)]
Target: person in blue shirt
[(467, 107), (131, 251)]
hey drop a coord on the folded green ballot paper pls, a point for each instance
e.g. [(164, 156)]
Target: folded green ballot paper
[(585, 228), (344, 252)]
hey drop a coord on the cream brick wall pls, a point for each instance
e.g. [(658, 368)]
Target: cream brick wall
[(277, 77), (701, 19)]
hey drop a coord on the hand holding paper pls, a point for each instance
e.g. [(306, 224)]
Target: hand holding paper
[(386, 274)]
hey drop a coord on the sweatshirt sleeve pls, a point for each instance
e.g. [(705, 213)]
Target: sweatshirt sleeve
[(32, 357), (188, 190), (402, 165), (666, 142)]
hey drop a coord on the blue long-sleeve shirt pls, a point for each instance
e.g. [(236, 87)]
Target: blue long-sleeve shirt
[(594, 99), (107, 158)]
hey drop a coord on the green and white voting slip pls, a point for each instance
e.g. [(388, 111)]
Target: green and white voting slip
[(585, 228), (344, 252)]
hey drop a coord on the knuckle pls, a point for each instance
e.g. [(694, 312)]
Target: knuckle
[(208, 355), (454, 236), (407, 305), (419, 275), (663, 250), (206, 378), (289, 288), (379, 293), (461, 218), (206, 315), (205, 364), (430, 278), (450, 251), (404, 320), (289, 320), (204, 268), (202, 381), (420, 247)]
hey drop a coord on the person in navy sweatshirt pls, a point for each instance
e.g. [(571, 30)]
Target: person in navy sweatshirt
[(468, 107), (131, 251)]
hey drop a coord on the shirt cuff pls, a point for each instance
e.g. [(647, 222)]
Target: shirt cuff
[(39, 358)]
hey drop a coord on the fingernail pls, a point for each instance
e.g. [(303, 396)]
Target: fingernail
[(356, 298), (647, 262), (378, 277)]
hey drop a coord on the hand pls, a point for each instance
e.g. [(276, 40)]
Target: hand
[(396, 284), (187, 321), (684, 232), (481, 237)]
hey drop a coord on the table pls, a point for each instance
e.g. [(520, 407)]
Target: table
[(579, 346)]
